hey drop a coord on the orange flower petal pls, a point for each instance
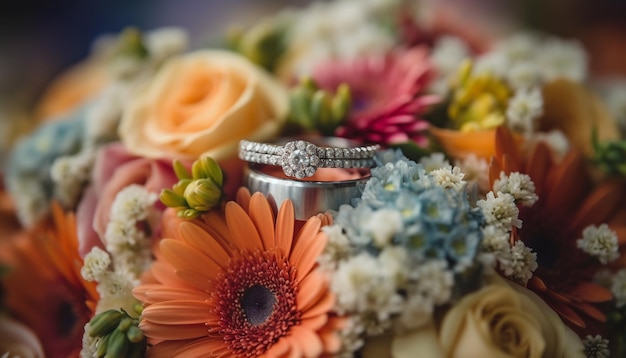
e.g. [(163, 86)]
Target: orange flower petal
[(538, 166), (156, 293), (569, 314), (620, 231), (192, 348), (243, 198), (243, 232), (314, 323), (321, 306), (279, 348), (599, 205), (311, 291), (309, 342), (158, 332), (567, 184), (263, 218), (284, 227), (179, 312), (591, 311), (460, 144), (536, 284), (591, 292), (185, 258), (307, 247), (506, 143), (202, 241)]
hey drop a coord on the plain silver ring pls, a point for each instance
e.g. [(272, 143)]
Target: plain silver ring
[(308, 197), (300, 158)]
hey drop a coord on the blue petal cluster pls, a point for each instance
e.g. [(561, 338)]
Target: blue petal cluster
[(30, 161), (438, 223)]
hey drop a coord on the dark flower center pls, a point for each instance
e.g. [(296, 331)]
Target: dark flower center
[(256, 301), (257, 304)]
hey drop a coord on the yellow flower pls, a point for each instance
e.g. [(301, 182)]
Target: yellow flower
[(204, 102), (479, 101)]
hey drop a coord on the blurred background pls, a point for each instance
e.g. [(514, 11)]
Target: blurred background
[(39, 38)]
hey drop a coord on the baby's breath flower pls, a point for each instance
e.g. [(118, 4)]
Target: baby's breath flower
[(519, 185), (500, 210), (70, 173), (523, 75), (337, 248), (383, 225), (562, 59), (131, 203), (96, 263), (523, 109), (363, 288), (434, 280), (494, 64), (434, 161), (116, 290), (496, 240), (596, 347), (599, 242), (90, 344), (519, 47), (520, 263), (618, 288), (476, 170), (449, 178)]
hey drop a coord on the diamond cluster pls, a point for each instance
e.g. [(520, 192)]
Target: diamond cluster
[(300, 159)]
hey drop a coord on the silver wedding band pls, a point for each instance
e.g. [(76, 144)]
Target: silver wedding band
[(308, 197), (300, 158)]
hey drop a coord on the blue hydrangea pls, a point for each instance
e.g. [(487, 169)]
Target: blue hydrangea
[(28, 170), (439, 223)]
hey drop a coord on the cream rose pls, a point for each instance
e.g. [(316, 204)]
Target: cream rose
[(506, 320), (204, 102), (502, 320)]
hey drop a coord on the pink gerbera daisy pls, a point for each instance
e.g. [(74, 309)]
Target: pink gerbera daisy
[(238, 285), (387, 98)]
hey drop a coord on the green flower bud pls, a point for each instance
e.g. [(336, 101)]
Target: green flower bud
[(134, 334), (202, 194), (181, 171), (105, 322), (341, 103), (171, 199), (131, 44), (101, 348), (320, 109), (125, 324), (118, 345)]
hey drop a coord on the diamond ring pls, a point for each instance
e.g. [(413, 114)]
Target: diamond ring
[(300, 158)]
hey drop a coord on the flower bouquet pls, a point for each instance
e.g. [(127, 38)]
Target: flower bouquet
[(473, 183)]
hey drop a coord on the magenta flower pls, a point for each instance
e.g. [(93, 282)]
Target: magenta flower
[(387, 96)]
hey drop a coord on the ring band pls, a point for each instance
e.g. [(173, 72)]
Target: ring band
[(300, 159), (309, 197)]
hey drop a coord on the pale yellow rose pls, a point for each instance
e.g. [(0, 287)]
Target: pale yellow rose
[(204, 102), (502, 320), (506, 320)]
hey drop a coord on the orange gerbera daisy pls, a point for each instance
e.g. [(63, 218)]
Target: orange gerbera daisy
[(45, 289), (568, 202), (235, 284)]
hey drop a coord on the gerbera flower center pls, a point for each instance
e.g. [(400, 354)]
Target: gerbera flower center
[(256, 302)]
